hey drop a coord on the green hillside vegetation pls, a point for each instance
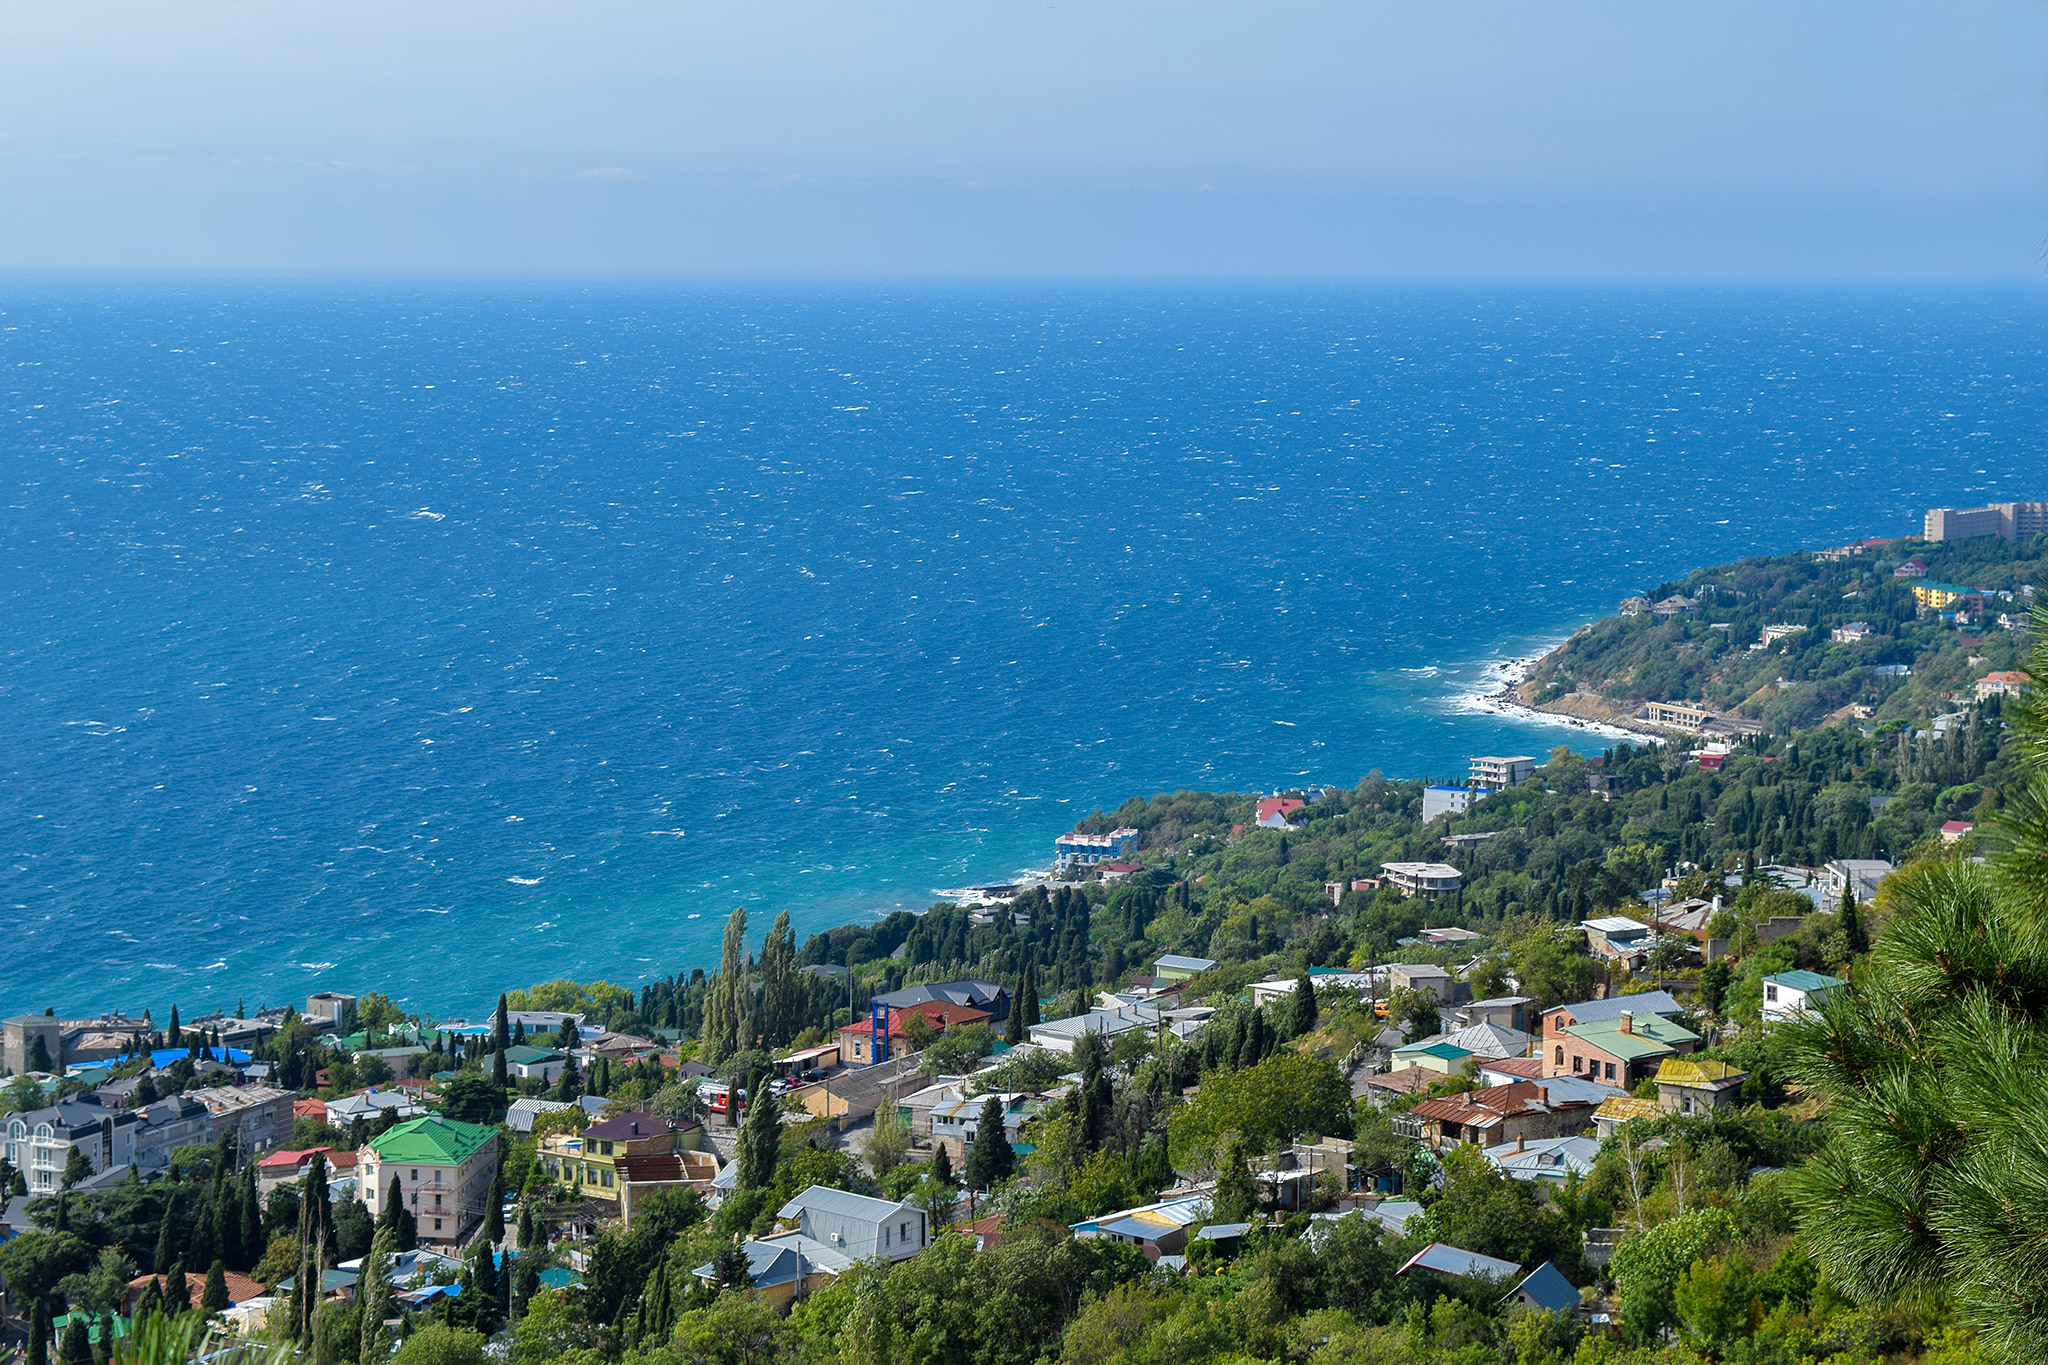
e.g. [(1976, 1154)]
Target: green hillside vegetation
[(1624, 661), (1876, 1195)]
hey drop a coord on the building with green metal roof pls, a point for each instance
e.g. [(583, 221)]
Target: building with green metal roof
[(1440, 1057), (1619, 1051), (443, 1170)]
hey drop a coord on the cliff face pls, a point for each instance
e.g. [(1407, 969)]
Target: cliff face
[(1796, 640)]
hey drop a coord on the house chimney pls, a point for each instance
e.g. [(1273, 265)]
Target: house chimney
[(1717, 905), (1522, 1142), (1628, 1021)]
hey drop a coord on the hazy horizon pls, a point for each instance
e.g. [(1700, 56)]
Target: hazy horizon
[(1478, 141)]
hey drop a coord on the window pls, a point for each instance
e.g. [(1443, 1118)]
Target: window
[(885, 1235), (415, 1175), (903, 1232), (1578, 1065), (607, 1179), (437, 1201), (437, 1225), (1610, 1071), (1560, 1056), (1770, 991)]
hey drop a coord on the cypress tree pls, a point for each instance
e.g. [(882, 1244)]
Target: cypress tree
[(483, 1280), (990, 1160), (942, 1165), (1852, 920), (76, 1348), (726, 1009), (316, 1232), (38, 1334), (1013, 1025), (103, 1349), (214, 1298), (1030, 1000), (150, 1301), (374, 1289), (171, 1036), (526, 1230), (1303, 1022), (494, 1210), (761, 1140), (525, 1283), (250, 1217), (177, 1293)]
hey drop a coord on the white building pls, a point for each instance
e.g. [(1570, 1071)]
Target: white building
[(1502, 772), (1790, 994), (1447, 800), (40, 1141), (1431, 881), (1863, 874)]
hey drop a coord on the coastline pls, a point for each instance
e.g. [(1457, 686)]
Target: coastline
[(1498, 696)]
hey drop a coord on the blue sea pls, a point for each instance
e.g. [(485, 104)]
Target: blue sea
[(440, 638)]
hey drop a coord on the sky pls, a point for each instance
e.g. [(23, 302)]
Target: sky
[(1453, 139)]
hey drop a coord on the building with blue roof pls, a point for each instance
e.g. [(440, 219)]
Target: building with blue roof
[(167, 1056), (1547, 1289)]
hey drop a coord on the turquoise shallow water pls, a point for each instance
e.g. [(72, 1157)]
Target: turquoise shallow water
[(437, 639)]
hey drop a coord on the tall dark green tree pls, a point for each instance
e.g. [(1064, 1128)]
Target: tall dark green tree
[(1302, 1020), (760, 1139), (316, 1238), (487, 1314), (399, 1219), (177, 1290), (1013, 1023), (150, 1300), (38, 1334), (526, 1228), (77, 1346), (782, 985), (214, 1298), (991, 1159), (942, 1165), (249, 1222), (494, 1210)]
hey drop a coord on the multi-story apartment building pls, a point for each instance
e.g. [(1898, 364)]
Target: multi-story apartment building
[(443, 1168), (588, 1161), (1490, 771), (40, 1141), (2006, 520)]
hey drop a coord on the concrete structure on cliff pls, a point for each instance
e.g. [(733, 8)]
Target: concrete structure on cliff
[(2006, 520)]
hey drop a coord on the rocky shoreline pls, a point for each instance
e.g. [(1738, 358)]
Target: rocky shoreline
[(1592, 714)]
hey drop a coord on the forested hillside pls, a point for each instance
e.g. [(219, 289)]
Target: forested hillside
[(1611, 667)]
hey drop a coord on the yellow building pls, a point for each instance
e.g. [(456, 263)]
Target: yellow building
[(588, 1161), (1938, 595)]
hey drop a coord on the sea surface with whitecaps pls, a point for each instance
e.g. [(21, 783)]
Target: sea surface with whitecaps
[(440, 638)]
